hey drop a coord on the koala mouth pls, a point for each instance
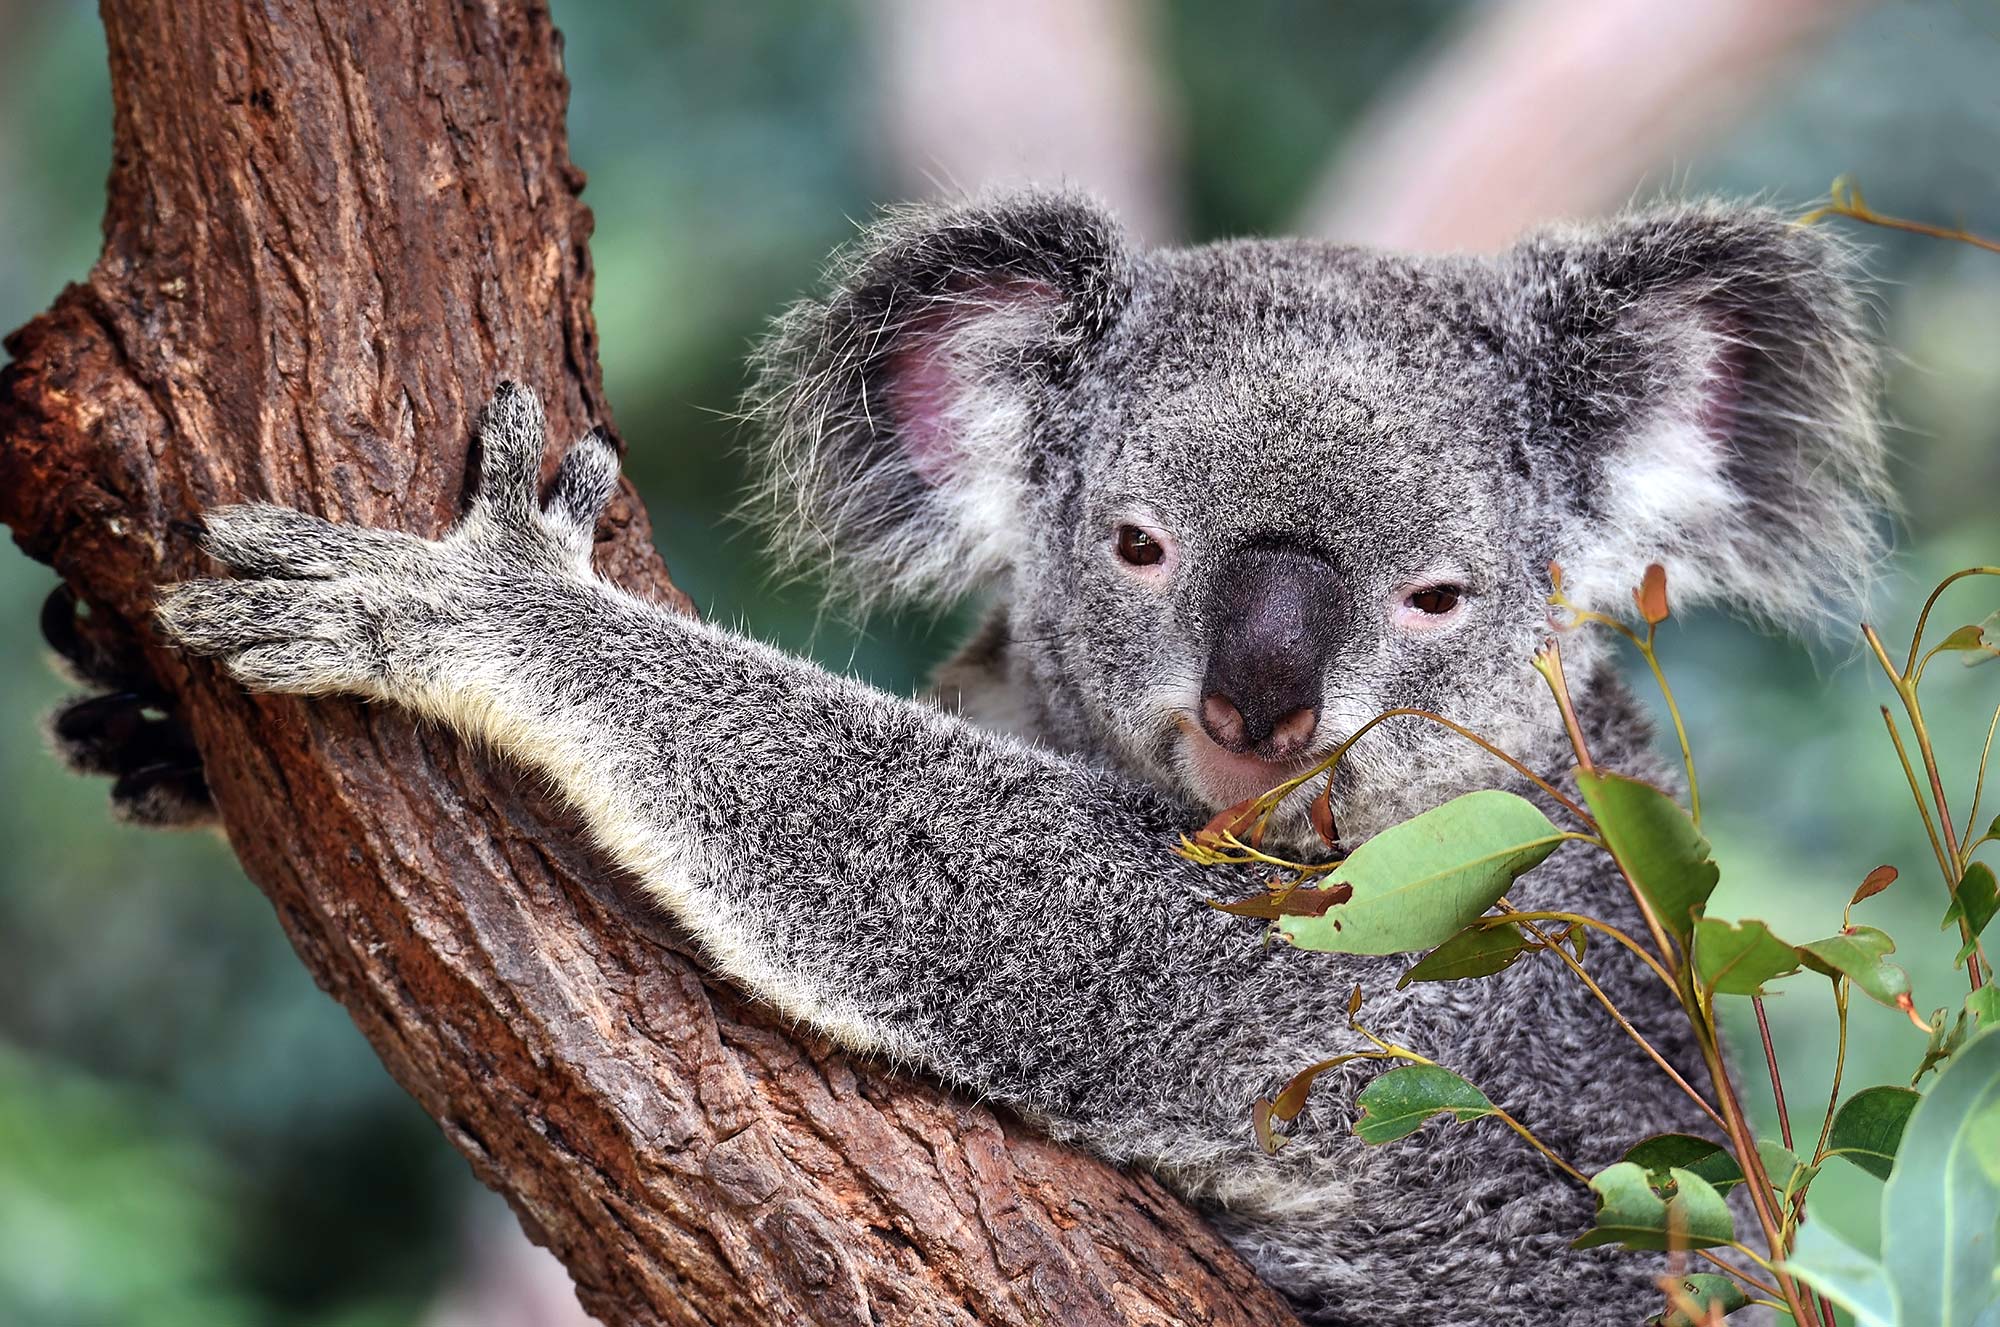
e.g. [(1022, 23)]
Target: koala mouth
[(1222, 777)]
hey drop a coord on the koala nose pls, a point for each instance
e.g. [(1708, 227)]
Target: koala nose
[(1276, 614)]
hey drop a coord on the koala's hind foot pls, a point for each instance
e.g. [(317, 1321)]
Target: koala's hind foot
[(124, 727)]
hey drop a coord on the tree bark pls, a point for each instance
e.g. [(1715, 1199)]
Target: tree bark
[(331, 228)]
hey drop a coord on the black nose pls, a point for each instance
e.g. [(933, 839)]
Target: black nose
[(1276, 614)]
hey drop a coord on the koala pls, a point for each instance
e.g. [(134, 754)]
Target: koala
[(1224, 504)]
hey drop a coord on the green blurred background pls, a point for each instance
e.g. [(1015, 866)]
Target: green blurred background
[(190, 1132)]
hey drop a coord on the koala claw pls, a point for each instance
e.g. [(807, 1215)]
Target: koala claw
[(124, 726), (168, 795), (328, 607)]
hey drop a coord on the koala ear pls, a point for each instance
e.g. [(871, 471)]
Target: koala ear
[(1701, 380), (900, 417)]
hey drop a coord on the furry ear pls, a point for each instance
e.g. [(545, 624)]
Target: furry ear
[(900, 417), (1703, 382)]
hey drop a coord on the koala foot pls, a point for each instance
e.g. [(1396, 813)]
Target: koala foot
[(127, 732)]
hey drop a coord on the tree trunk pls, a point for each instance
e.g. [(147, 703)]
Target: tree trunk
[(331, 228)]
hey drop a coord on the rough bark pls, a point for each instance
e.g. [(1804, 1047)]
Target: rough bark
[(330, 229)]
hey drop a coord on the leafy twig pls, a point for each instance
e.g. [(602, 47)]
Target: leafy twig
[(1845, 200)]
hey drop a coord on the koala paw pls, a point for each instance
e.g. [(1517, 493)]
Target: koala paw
[(330, 608)]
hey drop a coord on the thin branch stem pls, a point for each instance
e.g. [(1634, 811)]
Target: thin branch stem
[(1855, 209), (1536, 1143), (1512, 913), (1839, 1068), (1680, 729), (1333, 759), (1906, 690), (1924, 617), (1746, 1278), (1618, 1017), (1979, 786), (1644, 645), (1917, 791), (1744, 1143), (1549, 664), (1777, 1080)]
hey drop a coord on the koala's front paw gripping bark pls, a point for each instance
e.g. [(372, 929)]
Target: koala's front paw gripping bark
[(329, 608)]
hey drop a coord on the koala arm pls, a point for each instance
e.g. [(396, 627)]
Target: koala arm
[(992, 912)]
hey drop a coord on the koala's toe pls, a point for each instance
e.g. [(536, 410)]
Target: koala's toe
[(221, 617), (91, 658), (168, 795), (258, 539), (511, 443), (301, 668), (584, 483), (117, 733)]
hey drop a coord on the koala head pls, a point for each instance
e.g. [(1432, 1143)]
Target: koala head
[(1234, 500)]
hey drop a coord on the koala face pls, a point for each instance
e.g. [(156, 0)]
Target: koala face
[(1284, 518), (1237, 500)]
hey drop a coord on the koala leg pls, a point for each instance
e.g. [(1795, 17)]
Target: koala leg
[(126, 730)]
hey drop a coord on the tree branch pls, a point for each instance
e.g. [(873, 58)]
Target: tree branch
[(329, 231)]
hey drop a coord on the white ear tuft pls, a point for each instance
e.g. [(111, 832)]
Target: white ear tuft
[(1705, 386)]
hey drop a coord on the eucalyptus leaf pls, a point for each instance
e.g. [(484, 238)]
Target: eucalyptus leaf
[(1975, 901), (1869, 1125), (1941, 1206), (1632, 1213), (1476, 951), (1669, 1151), (1417, 883), (1657, 843), (1859, 955), (1788, 1173), (1397, 1104), (1705, 1289), (1737, 959), (1947, 1035), (1985, 651), (1844, 1274)]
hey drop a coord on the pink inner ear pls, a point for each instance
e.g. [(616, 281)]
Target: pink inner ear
[(926, 375)]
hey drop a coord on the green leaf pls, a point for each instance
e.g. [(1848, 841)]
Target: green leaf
[(1704, 1289), (1669, 1151), (1947, 1035), (1984, 651), (1788, 1173), (1984, 1005), (1476, 951), (1417, 883), (1396, 1104), (1965, 638), (1657, 843), (1869, 1125), (1858, 954), (1630, 1212), (1844, 1274), (1941, 1206), (1975, 900), (1732, 959)]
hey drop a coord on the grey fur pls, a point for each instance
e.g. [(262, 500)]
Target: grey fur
[(1005, 911)]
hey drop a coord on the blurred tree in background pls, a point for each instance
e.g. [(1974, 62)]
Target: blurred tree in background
[(189, 1132)]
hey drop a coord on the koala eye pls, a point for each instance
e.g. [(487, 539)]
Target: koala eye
[(1435, 600), (1137, 548)]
